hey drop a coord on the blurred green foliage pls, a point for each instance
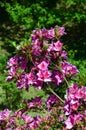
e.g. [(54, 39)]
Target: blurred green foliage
[(32, 13)]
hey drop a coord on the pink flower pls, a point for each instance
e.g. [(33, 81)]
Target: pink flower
[(57, 46), (50, 48), (4, 115), (25, 80), (70, 122), (35, 44), (59, 78), (18, 128), (52, 99), (18, 114), (37, 33), (68, 68), (80, 93), (22, 62), (38, 84), (51, 33), (12, 71), (12, 61), (61, 118), (37, 120), (9, 78), (30, 78), (27, 118), (21, 82), (43, 66), (67, 108), (64, 54), (37, 102), (44, 76), (74, 104), (72, 93), (32, 126), (61, 31), (36, 49), (78, 118)]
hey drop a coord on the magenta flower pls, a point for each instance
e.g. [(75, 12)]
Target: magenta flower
[(80, 93), (25, 80), (61, 31), (32, 126), (74, 104), (38, 84), (72, 92), (12, 72), (36, 49), (61, 118), (22, 82), (11, 129), (70, 122), (33, 36), (18, 114), (4, 115), (38, 33), (67, 108), (27, 118), (51, 33), (50, 48), (43, 66), (64, 54), (1, 117), (57, 46), (9, 78), (58, 78), (30, 78), (37, 120), (77, 118), (22, 62), (52, 99), (12, 61), (68, 68), (74, 101), (44, 76), (37, 102), (35, 44)]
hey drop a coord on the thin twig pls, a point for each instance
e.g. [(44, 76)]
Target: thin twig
[(51, 90)]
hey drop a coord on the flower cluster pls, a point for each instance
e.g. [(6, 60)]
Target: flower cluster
[(42, 61), (21, 120), (4, 115), (75, 106), (18, 121), (16, 64), (35, 103)]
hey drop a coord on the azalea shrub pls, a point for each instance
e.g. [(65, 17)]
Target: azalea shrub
[(42, 63)]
